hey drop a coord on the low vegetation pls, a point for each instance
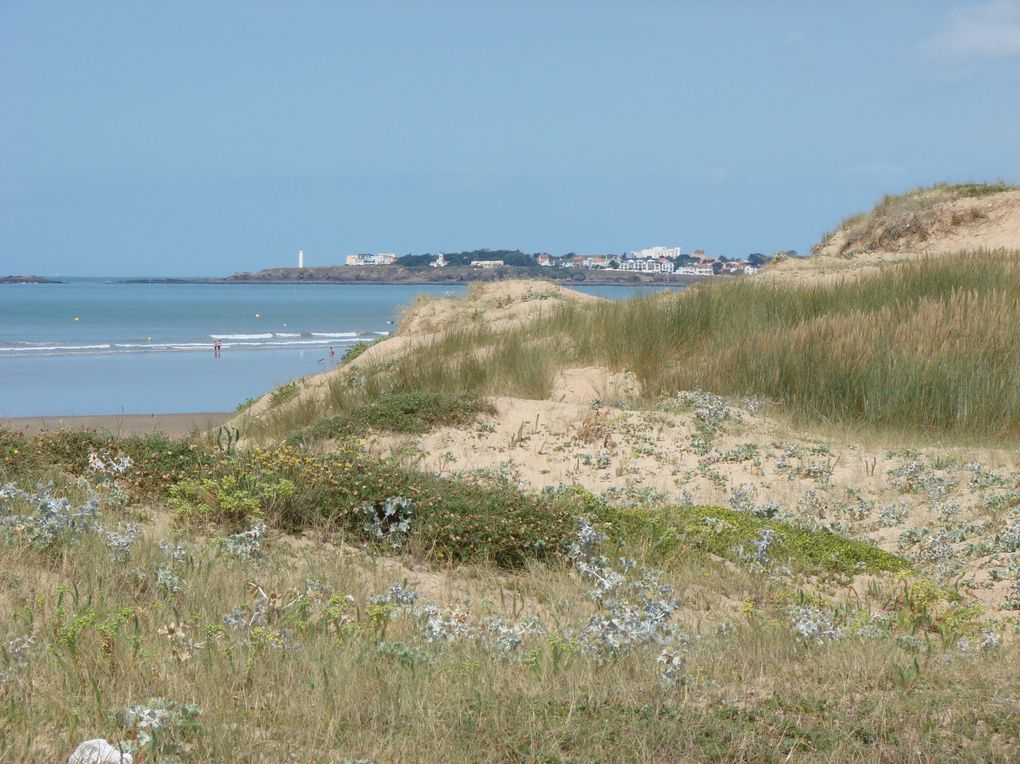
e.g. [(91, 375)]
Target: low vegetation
[(673, 532), (406, 412), (283, 394), (225, 639)]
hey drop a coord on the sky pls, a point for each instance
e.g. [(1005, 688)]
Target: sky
[(195, 138)]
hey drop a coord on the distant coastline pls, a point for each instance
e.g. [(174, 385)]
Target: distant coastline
[(28, 280), (394, 274)]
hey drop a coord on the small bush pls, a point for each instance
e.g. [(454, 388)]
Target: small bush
[(724, 532), (246, 404), (354, 351), (234, 500), (412, 412), (17, 455), (284, 393), (454, 519), (159, 461)]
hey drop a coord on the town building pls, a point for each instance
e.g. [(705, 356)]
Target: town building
[(648, 265), (656, 252), (382, 258)]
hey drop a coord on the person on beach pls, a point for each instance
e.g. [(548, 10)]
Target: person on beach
[(332, 355), (217, 346)]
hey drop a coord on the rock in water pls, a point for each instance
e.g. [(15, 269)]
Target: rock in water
[(98, 751)]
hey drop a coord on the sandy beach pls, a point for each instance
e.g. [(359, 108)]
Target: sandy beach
[(174, 425)]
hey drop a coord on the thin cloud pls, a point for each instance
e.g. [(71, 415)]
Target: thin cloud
[(989, 30)]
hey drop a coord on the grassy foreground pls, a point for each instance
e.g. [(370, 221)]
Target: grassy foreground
[(156, 608)]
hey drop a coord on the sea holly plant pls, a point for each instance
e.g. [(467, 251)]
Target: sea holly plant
[(164, 728), (435, 626), (710, 410), (813, 624), (246, 545), (634, 609), (43, 519), (390, 522), (103, 469), (14, 656), (758, 555), (121, 539)]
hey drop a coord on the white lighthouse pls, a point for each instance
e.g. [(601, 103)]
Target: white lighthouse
[(301, 258)]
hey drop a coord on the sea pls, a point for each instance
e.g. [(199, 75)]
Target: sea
[(94, 346)]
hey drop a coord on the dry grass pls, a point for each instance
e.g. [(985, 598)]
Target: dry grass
[(321, 689), (927, 347)]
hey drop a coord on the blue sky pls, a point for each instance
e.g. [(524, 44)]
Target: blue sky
[(198, 138)]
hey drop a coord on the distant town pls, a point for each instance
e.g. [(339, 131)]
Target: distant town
[(653, 260), (654, 265)]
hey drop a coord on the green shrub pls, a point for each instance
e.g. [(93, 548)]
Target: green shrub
[(159, 461), (974, 190), (355, 350), (721, 532), (463, 521), (18, 456), (233, 500), (455, 520), (283, 393), (409, 412)]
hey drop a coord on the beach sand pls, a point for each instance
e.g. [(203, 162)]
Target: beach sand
[(173, 425)]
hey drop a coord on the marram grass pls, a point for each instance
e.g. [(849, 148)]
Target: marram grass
[(928, 347)]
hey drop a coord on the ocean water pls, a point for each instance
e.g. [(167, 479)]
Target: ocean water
[(93, 346)]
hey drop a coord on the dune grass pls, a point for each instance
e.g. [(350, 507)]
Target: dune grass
[(479, 361), (927, 347)]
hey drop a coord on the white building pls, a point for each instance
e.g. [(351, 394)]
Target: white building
[(656, 252), (300, 258), (440, 261), (383, 258), (647, 266), (695, 270)]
